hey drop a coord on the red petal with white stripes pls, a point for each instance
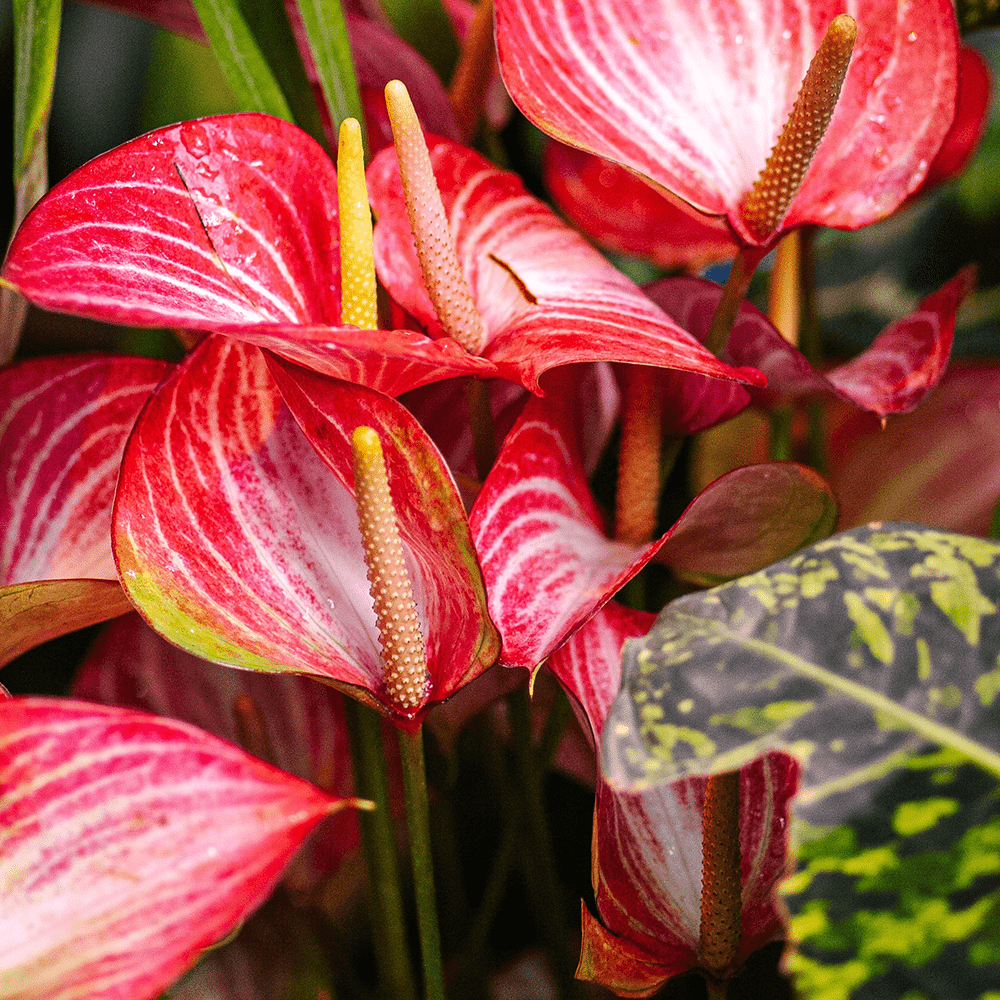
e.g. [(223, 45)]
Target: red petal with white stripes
[(647, 874), (547, 561), (693, 93), (62, 434), (236, 531), (547, 298), (128, 844), (226, 224)]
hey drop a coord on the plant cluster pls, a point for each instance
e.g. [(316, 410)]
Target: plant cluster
[(439, 524)]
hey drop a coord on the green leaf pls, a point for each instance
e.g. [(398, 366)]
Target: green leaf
[(424, 24), (904, 900), (331, 51), (850, 654), (36, 41), (242, 60)]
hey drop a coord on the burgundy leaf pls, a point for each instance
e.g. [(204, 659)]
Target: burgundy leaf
[(692, 94), (782, 507), (546, 297), (236, 532), (130, 843)]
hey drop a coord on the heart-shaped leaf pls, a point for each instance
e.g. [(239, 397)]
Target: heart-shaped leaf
[(236, 532), (850, 654), (692, 94), (61, 441), (129, 843)]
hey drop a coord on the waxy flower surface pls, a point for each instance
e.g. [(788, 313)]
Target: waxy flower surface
[(236, 530), (692, 95)]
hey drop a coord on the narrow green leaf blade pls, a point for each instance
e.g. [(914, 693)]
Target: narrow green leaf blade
[(851, 654), (36, 41), (330, 45), (242, 61)]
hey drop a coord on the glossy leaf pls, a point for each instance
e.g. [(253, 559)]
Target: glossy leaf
[(546, 297), (851, 654), (61, 440), (129, 843), (693, 95), (904, 363), (782, 507), (330, 46), (236, 533)]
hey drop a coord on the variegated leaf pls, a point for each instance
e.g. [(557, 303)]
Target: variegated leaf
[(851, 654)]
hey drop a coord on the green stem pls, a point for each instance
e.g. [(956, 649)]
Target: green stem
[(411, 747), (391, 950), (733, 294), (781, 433), (540, 864)]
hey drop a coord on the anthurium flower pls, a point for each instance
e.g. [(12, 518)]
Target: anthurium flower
[(540, 537), (693, 96), (62, 434), (541, 296), (227, 225), (647, 863), (292, 722), (236, 530), (128, 844), (902, 365)]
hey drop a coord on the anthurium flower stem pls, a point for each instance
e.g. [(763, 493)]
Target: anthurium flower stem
[(378, 836), (721, 882), (483, 430), (539, 858), (784, 307), (733, 294), (411, 747)]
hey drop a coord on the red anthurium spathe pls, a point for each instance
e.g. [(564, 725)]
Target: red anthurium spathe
[(225, 224), (622, 212), (545, 297), (903, 364), (547, 561), (292, 722), (128, 844), (236, 530), (647, 860), (693, 95), (62, 433)]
